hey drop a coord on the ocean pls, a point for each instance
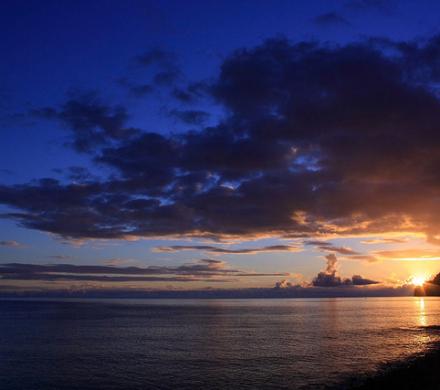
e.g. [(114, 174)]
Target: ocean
[(207, 344)]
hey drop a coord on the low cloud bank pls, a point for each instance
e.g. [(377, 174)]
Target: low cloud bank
[(210, 270), (293, 292)]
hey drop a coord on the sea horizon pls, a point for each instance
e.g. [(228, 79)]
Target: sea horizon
[(199, 343), (221, 194)]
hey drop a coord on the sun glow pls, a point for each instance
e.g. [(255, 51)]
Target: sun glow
[(418, 280)]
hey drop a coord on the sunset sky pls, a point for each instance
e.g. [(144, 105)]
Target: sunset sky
[(210, 144)]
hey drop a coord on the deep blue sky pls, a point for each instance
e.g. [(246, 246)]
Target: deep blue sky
[(52, 47), (52, 50)]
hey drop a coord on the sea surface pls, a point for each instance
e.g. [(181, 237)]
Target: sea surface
[(207, 344)]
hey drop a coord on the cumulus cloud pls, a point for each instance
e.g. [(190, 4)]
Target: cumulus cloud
[(284, 284), (329, 278), (331, 133)]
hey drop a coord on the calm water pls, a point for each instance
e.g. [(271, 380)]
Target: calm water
[(210, 344)]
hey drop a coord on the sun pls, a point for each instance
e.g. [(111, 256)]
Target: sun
[(418, 280)]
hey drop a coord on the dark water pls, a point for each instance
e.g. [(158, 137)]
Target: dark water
[(209, 344)]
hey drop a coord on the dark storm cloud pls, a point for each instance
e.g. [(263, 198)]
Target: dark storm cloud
[(331, 19), (201, 270), (316, 139), (214, 249)]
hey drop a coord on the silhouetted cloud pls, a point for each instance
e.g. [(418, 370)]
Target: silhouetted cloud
[(358, 280), (329, 278), (93, 123), (284, 284), (316, 140)]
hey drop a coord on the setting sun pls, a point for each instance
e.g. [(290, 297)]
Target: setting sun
[(418, 280)]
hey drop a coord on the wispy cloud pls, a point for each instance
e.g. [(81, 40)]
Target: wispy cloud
[(384, 241), (11, 244), (217, 250), (409, 254), (201, 270), (60, 257), (331, 19), (329, 247)]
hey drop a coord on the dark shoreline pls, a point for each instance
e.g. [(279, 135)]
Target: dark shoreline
[(420, 371)]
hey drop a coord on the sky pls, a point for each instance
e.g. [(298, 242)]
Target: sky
[(219, 145)]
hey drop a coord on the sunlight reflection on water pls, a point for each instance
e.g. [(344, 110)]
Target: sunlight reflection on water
[(192, 344), (422, 316)]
